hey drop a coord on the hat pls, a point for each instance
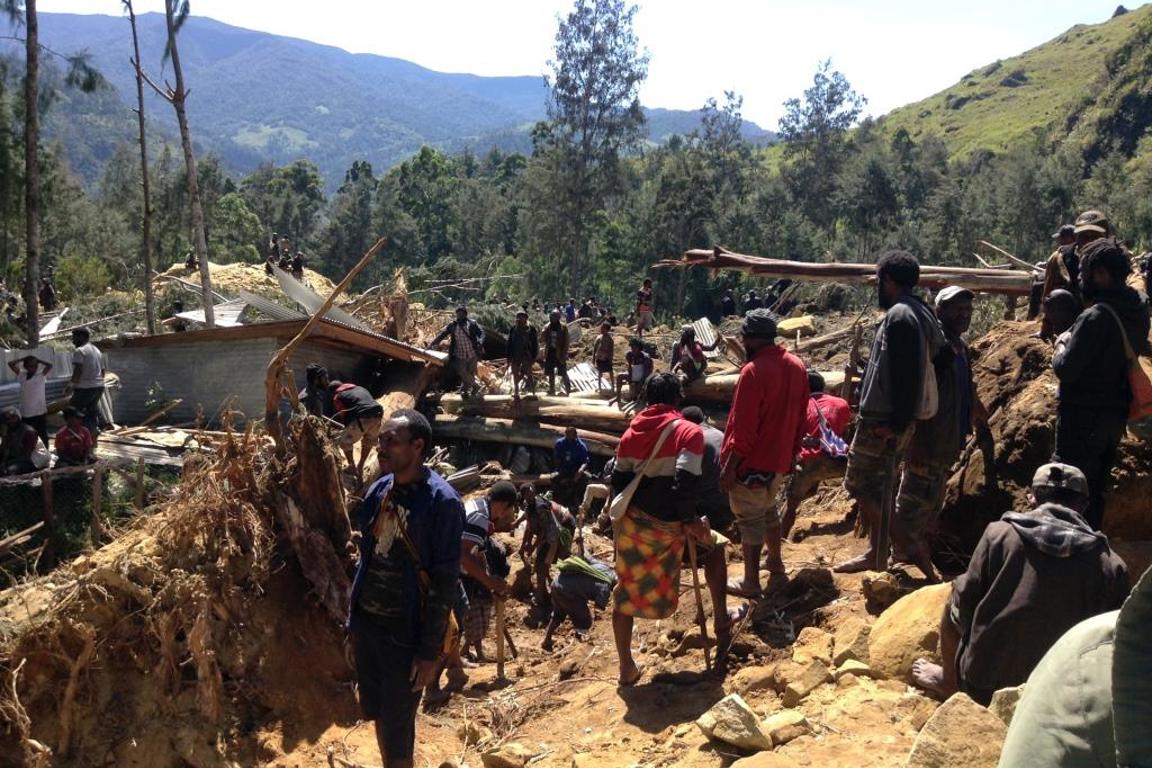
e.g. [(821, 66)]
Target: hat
[(1091, 221), (759, 323), (1066, 230), (1060, 476), (951, 292)]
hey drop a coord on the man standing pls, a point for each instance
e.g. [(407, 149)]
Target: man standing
[(466, 344), (893, 395), (523, 349), (408, 579), (556, 353), (603, 354), (32, 373), (87, 379), (1033, 576), (817, 462), (645, 320), (1091, 363), (761, 442), (938, 441), (571, 456)]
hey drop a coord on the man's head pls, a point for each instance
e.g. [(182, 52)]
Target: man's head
[(404, 440), (527, 494), (1090, 226), (1103, 266), (73, 417), (815, 381), (522, 318), (1066, 235), (605, 327), (954, 309), (758, 331), (10, 416), (31, 363), (316, 376), (663, 389), (897, 273), (647, 282), (502, 501), (693, 414), (570, 432), (80, 337), (635, 344), (687, 334), (554, 317), (1060, 484), (461, 313), (1061, 309), (751, 293)]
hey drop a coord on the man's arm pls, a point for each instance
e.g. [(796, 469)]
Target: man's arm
[(905, 367), (15, 366), (473, 565), (743, 421), (1081, 351), (444, 575), (441, 336), (47, 367)]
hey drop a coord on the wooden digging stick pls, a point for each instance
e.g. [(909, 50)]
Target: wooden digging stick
[(699, 603), (887, 512), (500, 630)]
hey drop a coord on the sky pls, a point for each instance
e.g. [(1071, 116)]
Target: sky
[(892, 51)]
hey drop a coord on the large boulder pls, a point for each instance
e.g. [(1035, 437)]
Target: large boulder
[(961, 734), (511, 755), (766, 760), (732, 721), (908, 630)]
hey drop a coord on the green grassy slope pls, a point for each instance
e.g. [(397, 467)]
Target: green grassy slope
[(1051, 88)]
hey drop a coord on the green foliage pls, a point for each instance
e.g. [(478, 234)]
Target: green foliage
[(79, 276)]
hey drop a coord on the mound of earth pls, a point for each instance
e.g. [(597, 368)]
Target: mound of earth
[(228, 279)]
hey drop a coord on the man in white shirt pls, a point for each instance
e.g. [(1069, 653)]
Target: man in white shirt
[(87, 379), (32, 373)]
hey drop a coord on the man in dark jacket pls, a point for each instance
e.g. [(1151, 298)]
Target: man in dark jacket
[(1091, 363), (354, 407), (523, 349), (892, 397), (397, 624), (315, 397), (1033, 576), (466, 344), (556, 341)]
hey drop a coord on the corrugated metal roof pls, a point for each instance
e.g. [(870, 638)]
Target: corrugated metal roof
[(312, 301), (583, 377), (226, 314), (270, 308), (707, 335)]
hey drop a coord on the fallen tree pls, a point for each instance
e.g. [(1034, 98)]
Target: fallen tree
[(999, 281), (491, 430), (590, 414)]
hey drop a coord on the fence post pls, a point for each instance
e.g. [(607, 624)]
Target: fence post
[(140, 485)]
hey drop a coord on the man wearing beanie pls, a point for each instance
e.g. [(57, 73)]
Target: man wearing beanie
[(761, 442)]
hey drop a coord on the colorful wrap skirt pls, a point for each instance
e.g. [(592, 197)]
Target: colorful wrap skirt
[(648, 555)]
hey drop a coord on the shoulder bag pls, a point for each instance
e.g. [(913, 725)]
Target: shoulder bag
[(621, 501)]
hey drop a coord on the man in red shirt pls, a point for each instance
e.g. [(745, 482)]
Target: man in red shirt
[(761, 443), (74, 442), (817, 462)]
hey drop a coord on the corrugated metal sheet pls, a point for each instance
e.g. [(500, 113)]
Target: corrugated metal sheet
[(312, 301), (583, 377), (707, 335), (226, 314), (270, 308)]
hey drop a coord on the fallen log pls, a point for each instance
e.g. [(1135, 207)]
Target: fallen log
[(931, 276), (590, 414), (492, 430), (719, 389)]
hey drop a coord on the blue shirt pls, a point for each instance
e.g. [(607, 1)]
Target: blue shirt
[(434, 517), (570, 311), (570, 455)]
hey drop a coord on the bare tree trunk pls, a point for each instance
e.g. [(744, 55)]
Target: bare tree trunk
[(32, 174), (199, 240), (146, 244)]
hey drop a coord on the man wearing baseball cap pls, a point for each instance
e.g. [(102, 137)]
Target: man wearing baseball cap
[(938, 441), (1034, 575)]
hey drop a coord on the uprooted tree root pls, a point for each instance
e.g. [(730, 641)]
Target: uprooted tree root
[(158, 623)]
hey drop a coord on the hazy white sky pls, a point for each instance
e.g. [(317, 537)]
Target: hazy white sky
[(893, 51)]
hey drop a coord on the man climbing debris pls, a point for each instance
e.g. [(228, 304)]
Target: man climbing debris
[(465, 346), (360, 414), (548, 535)]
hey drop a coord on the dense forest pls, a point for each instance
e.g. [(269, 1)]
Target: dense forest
[(591, 206)]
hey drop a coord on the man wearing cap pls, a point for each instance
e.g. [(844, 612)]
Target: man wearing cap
[(523, 349), (464, 348), (761, 442), (1033, 576), (1091, 363), (938, 441), (894, 395)]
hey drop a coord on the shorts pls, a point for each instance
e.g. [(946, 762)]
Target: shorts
[(383, 667), (523, 368), (477, 619), (755, 510), (364, 430), (920, 498), (645, 320), (811, 473), (872, 462), (603, 366)]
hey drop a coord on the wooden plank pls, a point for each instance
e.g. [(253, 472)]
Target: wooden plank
[(20, 537), (492, 430)]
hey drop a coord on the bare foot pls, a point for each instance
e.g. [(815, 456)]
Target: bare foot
[(865, 562), (740, 588), (928, 675), (630, 675), (921, 557)]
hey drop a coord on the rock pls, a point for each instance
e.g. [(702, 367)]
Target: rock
[(851, 642), (766, 760), (732, 721), (812, 644), (908, 630), (917, 708), (786, 725), (856, 668), (961, 734), (511, 755), (1004, 702), (805, 324), (750, 679), (473, 734), (586, 760), (881, 589), (568, 668), (815, 675)]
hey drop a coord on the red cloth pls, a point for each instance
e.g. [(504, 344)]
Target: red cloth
[(769, 406), (73, 446), (683, 448), (836, 412)]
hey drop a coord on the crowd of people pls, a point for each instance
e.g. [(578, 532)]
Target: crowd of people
[(679, 490)]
